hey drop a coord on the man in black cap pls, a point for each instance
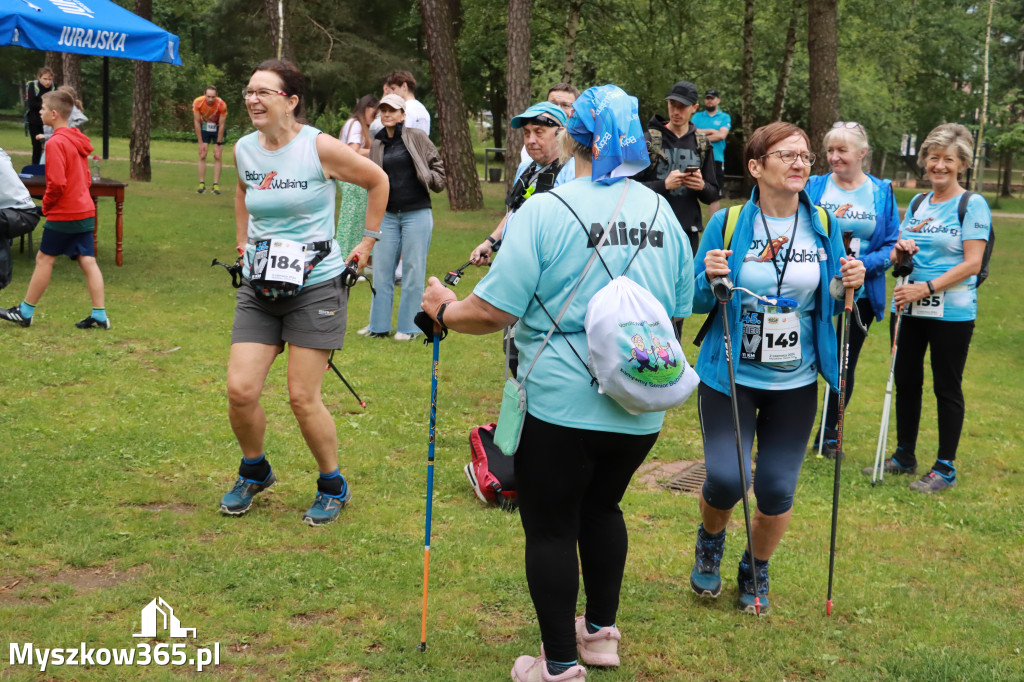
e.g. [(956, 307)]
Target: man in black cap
[(682, 164), (714, 124)]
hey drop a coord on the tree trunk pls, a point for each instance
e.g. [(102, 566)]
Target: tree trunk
[(572, 25), (55, 61), (979, 167), (786, 68), (747, 99), (72, 66), (517, 79), (456, 143), (822, 51), (138, 145), (278, 31), (1005, 189), (499, 106)]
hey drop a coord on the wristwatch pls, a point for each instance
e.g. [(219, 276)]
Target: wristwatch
[(440, 314)]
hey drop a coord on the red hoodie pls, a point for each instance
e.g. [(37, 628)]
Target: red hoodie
[(67, 176)]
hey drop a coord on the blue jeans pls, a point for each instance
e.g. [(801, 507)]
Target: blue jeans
[(405, 234)]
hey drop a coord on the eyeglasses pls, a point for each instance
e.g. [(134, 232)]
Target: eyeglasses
[(261, 93), (788, 156), (850, 125)]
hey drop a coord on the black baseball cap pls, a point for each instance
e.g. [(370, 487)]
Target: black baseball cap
[(711, 93), (683, 92)]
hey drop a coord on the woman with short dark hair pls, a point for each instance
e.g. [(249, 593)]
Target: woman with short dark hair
[(780, 248)]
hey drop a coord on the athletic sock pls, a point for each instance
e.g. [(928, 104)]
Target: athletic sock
[(99, 314), (593, 629), (945, 468), (557, 668), (27, 310), (332, 484), (257, 470)]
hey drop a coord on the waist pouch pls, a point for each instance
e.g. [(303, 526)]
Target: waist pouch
[(280, 268)]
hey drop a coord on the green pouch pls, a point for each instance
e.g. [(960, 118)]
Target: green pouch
[(510, 418)]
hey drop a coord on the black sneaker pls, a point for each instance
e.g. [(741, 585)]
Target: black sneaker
[(830, 450), (14, 315), (92, 323)]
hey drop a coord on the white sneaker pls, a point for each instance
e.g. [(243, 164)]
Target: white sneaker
[(399, 336), (365, 331)]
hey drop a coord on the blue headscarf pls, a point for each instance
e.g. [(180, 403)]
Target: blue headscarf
[(606, 119)]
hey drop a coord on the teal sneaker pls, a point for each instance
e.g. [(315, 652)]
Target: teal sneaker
[(746, 585), (934, 482), (327, 507), (238, 500), (705, 580)]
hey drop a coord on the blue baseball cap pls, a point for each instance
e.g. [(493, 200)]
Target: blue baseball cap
[(543, 111)]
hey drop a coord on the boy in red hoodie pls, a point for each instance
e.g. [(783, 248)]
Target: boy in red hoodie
[(70, 215)]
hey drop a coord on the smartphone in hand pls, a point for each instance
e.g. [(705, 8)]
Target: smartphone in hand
[(691, 169)]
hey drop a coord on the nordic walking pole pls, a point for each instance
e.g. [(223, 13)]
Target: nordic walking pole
[(331, 365), (878, 472), (824, 414), (722, 288), (902, 268), (424, 322), (847, 314)]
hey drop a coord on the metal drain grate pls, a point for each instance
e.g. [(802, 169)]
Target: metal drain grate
[(689, 480)]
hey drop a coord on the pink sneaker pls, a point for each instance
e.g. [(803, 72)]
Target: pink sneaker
[(535, 669), (599, 649)]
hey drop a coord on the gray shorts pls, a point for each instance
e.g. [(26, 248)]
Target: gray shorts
[(316, 318)]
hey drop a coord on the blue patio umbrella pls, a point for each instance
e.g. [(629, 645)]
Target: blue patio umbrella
[(93, 27), (90, 27)]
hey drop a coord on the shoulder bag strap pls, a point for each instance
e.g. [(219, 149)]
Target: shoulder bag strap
[(586, 268)]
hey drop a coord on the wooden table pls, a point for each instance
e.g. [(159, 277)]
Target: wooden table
[(104, 187)]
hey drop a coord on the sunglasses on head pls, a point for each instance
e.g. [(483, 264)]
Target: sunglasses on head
[(543, 121), (849, 125)]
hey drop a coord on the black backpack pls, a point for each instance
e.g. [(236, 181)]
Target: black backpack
[(961, 212)]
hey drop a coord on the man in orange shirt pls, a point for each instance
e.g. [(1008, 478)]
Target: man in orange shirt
[(209, 114)]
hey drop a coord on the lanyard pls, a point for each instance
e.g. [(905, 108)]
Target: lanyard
[(779, 274)]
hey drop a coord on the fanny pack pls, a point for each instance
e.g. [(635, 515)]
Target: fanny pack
[(279, 267)]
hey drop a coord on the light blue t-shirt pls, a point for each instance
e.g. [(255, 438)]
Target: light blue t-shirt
[(288, 196), (720, 120), (799, 254), (935, 228), (545, 253), (854, 210)]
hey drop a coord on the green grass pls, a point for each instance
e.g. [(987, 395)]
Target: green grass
[(117, 449)]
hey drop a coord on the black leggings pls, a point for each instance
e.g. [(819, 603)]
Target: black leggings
[(568, 484), (867, 315), (782, 421), (949, 342)]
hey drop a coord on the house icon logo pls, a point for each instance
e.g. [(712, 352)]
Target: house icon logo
[(159, 612)]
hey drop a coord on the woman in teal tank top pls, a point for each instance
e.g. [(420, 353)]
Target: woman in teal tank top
[(285, 197)]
